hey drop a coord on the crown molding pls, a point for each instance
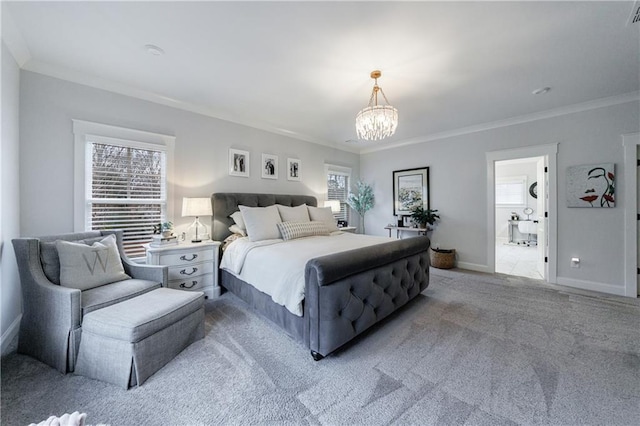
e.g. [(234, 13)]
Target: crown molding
[(527, 118), (100, 83), (12, 38)]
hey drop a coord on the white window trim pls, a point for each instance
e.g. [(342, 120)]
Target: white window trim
[(336, 170), (514, 179), (116, 136)]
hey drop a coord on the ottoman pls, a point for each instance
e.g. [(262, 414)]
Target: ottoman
[(126, 343)]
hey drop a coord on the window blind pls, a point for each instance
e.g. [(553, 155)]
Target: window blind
[(338, 189), (127, 190), (511, 192)]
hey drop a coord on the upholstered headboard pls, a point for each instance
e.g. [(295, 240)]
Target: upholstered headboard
[(225, 203)]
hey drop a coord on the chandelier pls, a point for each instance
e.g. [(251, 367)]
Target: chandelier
[(376, 122)]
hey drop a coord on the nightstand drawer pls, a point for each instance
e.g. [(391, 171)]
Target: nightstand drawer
[(186, 257), (192, 266), (192, 283), (185, 272)]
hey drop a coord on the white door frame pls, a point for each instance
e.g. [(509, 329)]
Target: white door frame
[(550, 151), (631, 142)]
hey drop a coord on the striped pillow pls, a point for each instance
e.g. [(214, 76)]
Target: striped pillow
[(293, 230)]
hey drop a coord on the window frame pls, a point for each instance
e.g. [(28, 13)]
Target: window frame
[(86, 133), (339, 170)]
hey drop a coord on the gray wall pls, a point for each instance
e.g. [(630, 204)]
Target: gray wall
[(9, 199), (458, 174), (44, 167), (47, 106)]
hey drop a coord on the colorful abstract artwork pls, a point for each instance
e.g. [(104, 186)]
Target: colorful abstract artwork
[(591, 185)]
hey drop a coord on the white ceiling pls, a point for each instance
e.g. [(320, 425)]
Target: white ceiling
[(302, 68)]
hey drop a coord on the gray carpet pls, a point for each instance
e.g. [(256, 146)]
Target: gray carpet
[(474, 349)]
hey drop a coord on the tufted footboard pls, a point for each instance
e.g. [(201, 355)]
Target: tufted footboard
[(348, 292)]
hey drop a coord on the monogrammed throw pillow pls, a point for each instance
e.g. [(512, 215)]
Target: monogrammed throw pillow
[(84, 267)]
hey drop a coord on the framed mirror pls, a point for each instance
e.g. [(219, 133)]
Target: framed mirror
[(533, 190)]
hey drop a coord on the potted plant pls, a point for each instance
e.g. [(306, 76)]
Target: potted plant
[(167, 229), (422, 217), (362, 200)]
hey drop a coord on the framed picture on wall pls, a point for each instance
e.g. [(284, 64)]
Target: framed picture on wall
[(591, 185), (293, 169), (410, 189), (269, 166), (239, 162)]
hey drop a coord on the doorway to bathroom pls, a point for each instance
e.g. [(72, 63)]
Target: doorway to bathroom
[(545, 189), (520, 226)]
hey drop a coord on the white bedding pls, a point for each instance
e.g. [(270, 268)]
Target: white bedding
[(276, 267)]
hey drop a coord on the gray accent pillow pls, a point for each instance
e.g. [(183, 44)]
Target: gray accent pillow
[(84, 267), (51, 261), (323, 214), (293, 230), (293, 214), (262, 222)]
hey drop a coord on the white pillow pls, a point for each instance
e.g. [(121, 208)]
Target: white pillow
[(293, 214), (84, 267), (237, 218), (235, 229), (293, 230), (262, 222), (323, 214)]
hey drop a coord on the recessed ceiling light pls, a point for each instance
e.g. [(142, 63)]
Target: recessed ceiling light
[(154, 50), (541, 91)]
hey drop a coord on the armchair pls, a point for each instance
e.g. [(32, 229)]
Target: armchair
[(51, 326)]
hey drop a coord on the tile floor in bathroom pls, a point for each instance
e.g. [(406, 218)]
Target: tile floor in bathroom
[(517, 260)]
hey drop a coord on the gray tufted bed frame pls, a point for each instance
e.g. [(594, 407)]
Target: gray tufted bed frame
[(345, 293)]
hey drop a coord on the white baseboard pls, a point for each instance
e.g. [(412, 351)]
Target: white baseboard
[(472, 266), (10, 334), (618, 290)]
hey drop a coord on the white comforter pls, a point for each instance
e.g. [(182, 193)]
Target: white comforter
[(276, 267)]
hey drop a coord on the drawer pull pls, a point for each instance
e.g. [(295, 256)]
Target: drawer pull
[(193, 257), (184, 271), (184, 285)]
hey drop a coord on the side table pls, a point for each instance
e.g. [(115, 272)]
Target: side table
[(400, 229), (351, 229), (192, 266)]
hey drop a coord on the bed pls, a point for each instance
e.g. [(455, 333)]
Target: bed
[(345, 293)]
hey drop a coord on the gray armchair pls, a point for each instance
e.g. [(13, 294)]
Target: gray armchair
[(51, 326)]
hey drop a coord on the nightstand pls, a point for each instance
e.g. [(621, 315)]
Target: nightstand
[(351, 229), (192, 266)]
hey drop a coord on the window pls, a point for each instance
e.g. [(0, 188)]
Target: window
[(511, 191), (124, 183), (338, 181)]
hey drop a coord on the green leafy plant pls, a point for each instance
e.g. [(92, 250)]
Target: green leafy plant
[(421, 216), (167, 226), (361, 200)]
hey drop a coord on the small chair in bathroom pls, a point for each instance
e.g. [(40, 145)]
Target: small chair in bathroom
[(528, 227)]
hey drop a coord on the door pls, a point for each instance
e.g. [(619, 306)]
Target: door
[(543, 242)]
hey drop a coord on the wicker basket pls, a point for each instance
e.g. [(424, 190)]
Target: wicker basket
[(442, 259)]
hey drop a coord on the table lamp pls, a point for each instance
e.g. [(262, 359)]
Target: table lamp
[(196, 207)]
